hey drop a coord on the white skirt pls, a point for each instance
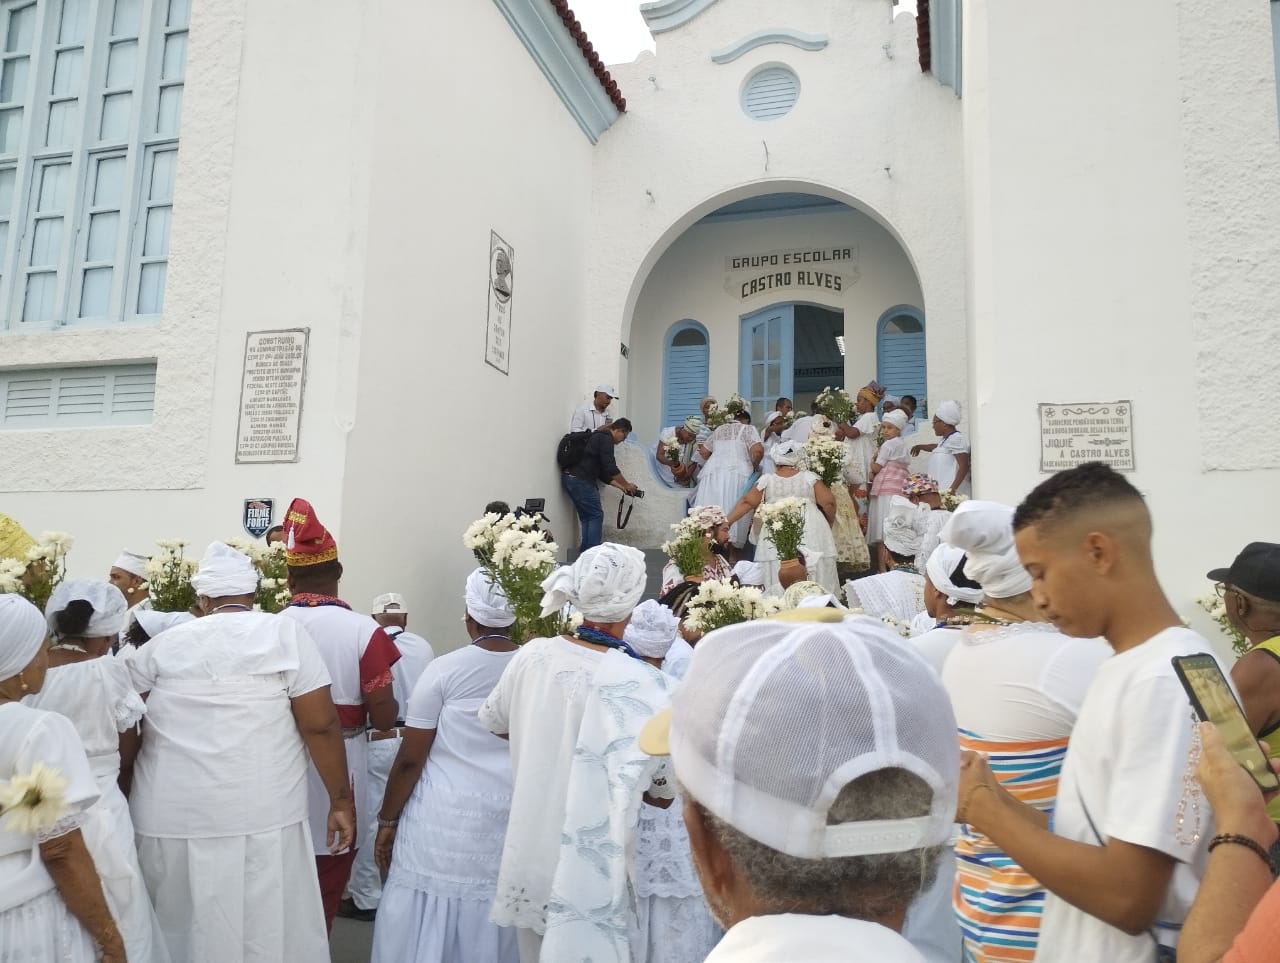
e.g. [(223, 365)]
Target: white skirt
[(235, 899), (108, 835), (44, 929), (674, 929), (417, 927)]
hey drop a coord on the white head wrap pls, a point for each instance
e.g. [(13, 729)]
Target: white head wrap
[(22, 632), (984, 532), (798, 591), (772, 416), (224, 572), (153, 622), (788, 453), (109, 607), (897, 418), (891, 400), (948, 411), (486, 602), (693, 423), (749, 573), (133, 563), (604, 584), (943, 561), (652, 630), (904, 526), (819, 602)]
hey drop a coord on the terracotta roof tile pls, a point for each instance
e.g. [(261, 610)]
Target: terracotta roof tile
[(589, 52)]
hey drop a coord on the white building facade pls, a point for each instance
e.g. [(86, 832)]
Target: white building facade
[(1069, 207)]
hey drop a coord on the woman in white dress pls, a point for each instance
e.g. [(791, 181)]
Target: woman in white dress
[(674, 924), (94, 691), (733, 451), (818, 545), (51, 901), (444, 814)]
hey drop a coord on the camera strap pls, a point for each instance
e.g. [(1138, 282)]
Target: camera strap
[(624, 518)]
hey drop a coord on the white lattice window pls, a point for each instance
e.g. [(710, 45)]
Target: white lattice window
[(90, 101), (122, 394)]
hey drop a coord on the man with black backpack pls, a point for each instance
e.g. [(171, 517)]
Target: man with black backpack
[(586, 460)]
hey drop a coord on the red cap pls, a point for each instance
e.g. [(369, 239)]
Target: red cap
[(307, 542)]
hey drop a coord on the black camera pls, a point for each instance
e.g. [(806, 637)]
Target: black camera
[(638, 493)]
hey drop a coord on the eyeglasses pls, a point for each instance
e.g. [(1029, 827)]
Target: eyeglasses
[(1221, 589)]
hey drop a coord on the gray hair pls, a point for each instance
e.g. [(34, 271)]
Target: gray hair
[(862, 887)]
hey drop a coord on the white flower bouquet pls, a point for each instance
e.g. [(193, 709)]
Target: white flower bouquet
[(11, 573), (273, 572), (718, 604), (688, 547), (44, 567), (836, 404), (1217, 609), (783, 524), (35, 801), (169, 574), (951, 500), (736, 405), (670, 450), (717, 416), (826, 457), (517, 556)]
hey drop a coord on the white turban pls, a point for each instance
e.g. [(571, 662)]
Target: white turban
[(904, 526), (799, 591), (604, 584), (948, 411), (110, 610), (153, 623), (224, 572), (943, 561), (693, 423), (819, 602), (749, 573), (22, 632), (984, 532), (788, 453), (897, 418), (486, 602), (133, 563), (652, 630)]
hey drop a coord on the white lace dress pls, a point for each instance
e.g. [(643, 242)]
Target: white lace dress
[(444, 870), (818, 545), (675, 925), (727, 474), (98, 697), (898, 595)]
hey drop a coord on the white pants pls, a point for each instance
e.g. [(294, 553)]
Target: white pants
[(365, 886)]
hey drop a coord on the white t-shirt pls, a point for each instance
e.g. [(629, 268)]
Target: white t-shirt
[(942, 460), (415, 655), (863, 448), (1023, 682), (935, 645), (813, 939), (1127, 765), (222, 755), (539, 702)]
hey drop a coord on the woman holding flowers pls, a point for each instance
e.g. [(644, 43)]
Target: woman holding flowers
[(791, 480), (51, 901), (95, 692), (699, 548), (733, 452), (889, 471)]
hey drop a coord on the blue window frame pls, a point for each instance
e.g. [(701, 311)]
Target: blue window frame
[(766, 353)]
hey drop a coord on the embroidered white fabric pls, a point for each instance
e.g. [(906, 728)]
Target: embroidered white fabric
[(44, 929), (897, 594), (66, 824), (663, 864)]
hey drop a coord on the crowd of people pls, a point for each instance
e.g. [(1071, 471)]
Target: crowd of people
[(981, 753)]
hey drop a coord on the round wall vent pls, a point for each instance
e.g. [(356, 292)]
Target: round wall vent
[(770, 93)]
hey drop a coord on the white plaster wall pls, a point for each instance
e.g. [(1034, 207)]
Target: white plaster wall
[(437, 432), (1105, 225), (684, 148), (689, 282), (267, 216)]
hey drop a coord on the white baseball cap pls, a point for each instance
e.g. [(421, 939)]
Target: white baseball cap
[(608, 390), (776, 716), (389, 602)]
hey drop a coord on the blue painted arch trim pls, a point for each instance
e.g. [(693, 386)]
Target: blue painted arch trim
[(664, 15), (761, 38)]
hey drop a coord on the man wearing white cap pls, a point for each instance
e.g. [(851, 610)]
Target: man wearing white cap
[(237, 702), (811, 849), (365, 886), (576, 778), (949, 464), (595, 415)]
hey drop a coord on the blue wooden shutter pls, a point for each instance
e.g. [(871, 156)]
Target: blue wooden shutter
[(684, 379), (900, 354)]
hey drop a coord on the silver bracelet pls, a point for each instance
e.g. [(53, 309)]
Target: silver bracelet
[(388, 823)]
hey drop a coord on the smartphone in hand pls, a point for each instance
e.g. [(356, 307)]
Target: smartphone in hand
[(1214, 702)]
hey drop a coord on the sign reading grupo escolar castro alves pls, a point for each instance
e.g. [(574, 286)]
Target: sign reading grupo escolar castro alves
[(1073, 434), (833, 269)]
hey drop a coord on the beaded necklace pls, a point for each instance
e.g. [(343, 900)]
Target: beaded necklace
[(588, 633)]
